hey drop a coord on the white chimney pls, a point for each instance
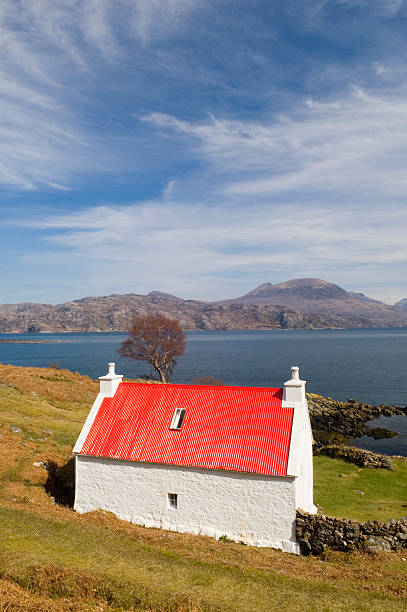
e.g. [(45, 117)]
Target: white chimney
[(294, 390), (110, 382)]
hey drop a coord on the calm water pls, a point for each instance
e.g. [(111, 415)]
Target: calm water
[(389, 446), (368, 364)]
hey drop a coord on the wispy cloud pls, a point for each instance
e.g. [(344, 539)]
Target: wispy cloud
[(274, 132), (53, 54), (352, 146), (154, 19), (190, 248)]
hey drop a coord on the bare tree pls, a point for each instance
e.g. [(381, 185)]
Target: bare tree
[(156, 339)]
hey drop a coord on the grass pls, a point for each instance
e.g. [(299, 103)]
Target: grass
[(384, 492), (52, 559), (152, 569)]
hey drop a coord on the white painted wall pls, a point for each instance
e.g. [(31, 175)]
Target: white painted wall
[(300, 462), (304, 483), (256, 509)]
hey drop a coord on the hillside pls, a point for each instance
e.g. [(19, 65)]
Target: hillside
[(313, 295), (306, 303), (114, 313), (402, 304), (54, 560)]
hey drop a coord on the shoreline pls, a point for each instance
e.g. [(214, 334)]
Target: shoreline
[(217, 330), (23, 341)]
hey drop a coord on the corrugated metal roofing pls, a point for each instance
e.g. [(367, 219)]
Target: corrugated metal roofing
[(227, 428)]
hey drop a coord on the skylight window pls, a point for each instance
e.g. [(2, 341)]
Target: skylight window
[(178, 418)]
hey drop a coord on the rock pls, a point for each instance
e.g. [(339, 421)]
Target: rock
[(315, 533), (376, 544), (38, 464), (357, 456), (15, 429)]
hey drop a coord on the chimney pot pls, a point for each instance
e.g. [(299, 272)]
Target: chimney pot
[(294, 389), (110, 382), (295, 373)]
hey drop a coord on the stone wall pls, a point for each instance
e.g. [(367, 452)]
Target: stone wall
[(358, 456), (315, 534)]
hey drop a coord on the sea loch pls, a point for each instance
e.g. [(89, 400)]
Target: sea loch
[(368, 364)]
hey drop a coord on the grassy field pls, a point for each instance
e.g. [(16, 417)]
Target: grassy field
[(52, 559)]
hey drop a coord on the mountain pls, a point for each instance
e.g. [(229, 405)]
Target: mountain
[(305, 303), (114, 313), (313, 295), (402, 304)]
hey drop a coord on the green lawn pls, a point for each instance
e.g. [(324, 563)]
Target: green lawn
[(384, 491)]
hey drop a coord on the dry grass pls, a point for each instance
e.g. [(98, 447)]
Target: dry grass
[(14, 598), (55, 386), (56, 560)]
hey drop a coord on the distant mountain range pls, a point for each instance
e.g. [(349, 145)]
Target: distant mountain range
[(306, 303), (313, 295), (402, 304)]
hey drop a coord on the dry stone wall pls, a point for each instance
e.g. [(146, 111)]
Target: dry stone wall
[(358, 456), (317, 533)]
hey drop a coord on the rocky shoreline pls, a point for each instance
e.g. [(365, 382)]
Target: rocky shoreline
[(24, 341), (336, 422)]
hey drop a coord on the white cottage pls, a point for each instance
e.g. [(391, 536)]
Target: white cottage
[(213, 460)]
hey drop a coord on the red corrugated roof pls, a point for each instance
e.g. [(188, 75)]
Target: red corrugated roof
[(227, 428)]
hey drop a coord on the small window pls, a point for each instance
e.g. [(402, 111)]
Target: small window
[(173, 500), (178, 418)]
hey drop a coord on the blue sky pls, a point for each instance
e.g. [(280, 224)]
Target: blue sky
[(202, 147)]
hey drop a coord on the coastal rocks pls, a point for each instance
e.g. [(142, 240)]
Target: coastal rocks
[(346, 418), (315, 534), (357, 456)]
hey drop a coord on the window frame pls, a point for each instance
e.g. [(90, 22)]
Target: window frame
[(172, 500), (178, 419)]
